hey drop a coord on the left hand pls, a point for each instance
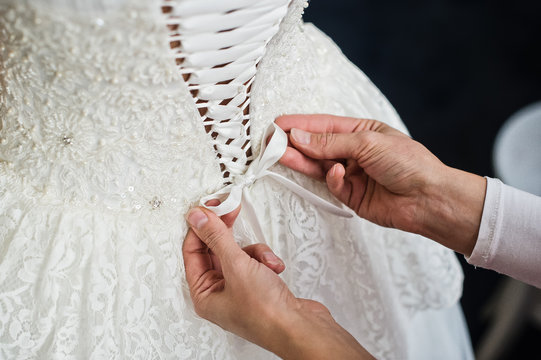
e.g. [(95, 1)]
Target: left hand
[(239, 290)]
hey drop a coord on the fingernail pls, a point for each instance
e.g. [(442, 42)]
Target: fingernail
[(300, 136), (197, 218), (270, 258), (333, 170)]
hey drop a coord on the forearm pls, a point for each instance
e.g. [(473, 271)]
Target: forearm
[(452, 209)]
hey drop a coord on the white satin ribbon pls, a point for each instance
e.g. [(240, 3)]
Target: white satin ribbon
[(269, 155)]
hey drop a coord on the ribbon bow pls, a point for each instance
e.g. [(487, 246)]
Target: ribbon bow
[(269, 155)]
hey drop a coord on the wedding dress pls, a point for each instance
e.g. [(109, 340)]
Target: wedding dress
[(118, 116)]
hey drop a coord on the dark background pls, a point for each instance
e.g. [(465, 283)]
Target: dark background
[(455, 70)]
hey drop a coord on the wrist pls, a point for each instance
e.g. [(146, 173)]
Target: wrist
[(453, 206), (310, 332)]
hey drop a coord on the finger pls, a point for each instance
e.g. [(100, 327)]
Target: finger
[(213, 202), (352, 168), (228, 219), (362, 188), (335, 178), (334, 145), (297, 161), (337, 184), (215, 234), (264, 254), (196, 258), (216, 264), (327, 165), (322, 123)]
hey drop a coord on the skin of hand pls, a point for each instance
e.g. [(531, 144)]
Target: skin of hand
[(386, 177), (240, 291)]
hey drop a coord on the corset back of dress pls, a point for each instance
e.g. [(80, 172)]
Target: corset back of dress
[(95, 109), (218, 45), (116, 117)]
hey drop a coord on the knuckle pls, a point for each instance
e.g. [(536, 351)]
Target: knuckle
[(365, 141), (198, 306), (366, 137), (326, 140), (213, 237), (200, 309), (239, 268), (329, 141), (369, 139)]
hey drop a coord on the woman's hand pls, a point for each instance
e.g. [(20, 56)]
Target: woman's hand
[(230, 286), (386, 177), (239, 290)]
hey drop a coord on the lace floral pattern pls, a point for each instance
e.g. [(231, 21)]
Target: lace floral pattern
[(101, 154), (64, 124)]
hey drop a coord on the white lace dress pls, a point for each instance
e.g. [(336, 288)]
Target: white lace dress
[(117, 116)]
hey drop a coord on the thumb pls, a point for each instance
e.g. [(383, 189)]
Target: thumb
[(214, 233), (333, 145)]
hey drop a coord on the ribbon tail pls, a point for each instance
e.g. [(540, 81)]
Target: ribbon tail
[(251, 215), (310, 196)]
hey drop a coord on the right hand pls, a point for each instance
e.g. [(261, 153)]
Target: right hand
[(386, 177), (376, 170)]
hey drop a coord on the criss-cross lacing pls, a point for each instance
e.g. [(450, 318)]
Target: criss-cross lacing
[(217, 45)]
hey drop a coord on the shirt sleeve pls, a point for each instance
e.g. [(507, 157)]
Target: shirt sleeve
[(509, 239)]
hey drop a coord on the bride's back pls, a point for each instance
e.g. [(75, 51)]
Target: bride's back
[(117, 116)]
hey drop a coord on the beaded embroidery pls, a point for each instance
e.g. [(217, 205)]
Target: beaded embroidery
[(102, 150)]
